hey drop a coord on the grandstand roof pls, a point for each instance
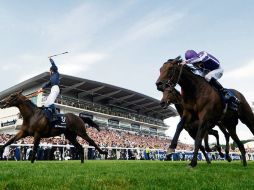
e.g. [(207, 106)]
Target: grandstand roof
[(101, 93)]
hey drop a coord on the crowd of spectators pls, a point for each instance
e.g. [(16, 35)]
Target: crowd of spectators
[(115, 139), (110, 138)]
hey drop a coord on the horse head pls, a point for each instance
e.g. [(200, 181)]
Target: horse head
[(170, 96), (13, 99), (168, 74)]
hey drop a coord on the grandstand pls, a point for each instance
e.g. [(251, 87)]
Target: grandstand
[(111, 106)]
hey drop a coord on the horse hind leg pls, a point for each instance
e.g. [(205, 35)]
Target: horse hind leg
[(73, 139), (227, 136), (234, 136), (202, 148), (82, 133), (218, 146), (92, 143), (246, 115)]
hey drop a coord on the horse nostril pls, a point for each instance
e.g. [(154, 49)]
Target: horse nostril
[(162, 104), (158, 83)]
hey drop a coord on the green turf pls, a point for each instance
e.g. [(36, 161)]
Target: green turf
[(125, 175)]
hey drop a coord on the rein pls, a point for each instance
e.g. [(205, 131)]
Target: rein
[(169, 83), (31, 95)]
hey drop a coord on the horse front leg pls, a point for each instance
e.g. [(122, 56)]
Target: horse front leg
[(178, 131), (37, 139), (198, 141), (19, 135)]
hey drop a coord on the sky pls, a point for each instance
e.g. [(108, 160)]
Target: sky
[(124, 43)]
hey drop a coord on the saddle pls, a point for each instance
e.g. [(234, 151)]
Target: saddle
[(55, 119)]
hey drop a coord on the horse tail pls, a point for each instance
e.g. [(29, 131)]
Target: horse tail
[(245, 112), (90, 122)]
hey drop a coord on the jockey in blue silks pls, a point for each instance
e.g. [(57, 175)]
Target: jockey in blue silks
[(53, 83), (209, 67)]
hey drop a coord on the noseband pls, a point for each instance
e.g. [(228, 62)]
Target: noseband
[(169, 83)]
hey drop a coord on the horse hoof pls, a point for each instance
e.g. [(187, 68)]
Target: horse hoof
[(170, 151), (192, 164), (228, 158), (106, 155)]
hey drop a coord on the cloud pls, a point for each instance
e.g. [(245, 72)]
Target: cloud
[(242, 72), (148, 27), (153, 25), (79, 63)]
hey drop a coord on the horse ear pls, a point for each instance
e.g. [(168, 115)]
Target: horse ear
[(20, 92), (178, 59)]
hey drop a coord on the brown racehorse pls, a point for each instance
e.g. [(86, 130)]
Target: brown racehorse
[(202, 100), (173, 96), (37, 125)]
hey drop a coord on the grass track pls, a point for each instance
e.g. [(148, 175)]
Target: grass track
[(125, 175)]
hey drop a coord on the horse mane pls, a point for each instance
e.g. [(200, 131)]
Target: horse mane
[(29, 102), (192, 70)]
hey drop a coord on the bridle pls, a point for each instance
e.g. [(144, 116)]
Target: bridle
[(169, 83)]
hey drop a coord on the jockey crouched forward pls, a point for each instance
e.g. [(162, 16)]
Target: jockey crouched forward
[(210, 69), (54, 92)]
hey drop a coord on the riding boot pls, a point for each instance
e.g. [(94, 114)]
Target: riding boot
[(54, 112), (226, 95)]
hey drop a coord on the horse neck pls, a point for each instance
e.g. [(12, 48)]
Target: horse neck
[(190, 84), (25, 109)]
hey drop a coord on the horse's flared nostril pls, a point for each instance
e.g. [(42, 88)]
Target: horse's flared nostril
[(162, 104), (158, 83), (159, 86)]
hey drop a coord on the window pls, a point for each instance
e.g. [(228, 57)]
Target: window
[(86, 115), (113, 122), (135, 126), (153, 130)]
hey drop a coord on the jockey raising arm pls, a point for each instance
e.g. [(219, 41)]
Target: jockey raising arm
[(53, 83)]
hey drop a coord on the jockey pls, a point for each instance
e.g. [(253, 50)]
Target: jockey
[(211, 70), (55, 90)]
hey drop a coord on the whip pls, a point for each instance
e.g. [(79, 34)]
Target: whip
[(58, 54)]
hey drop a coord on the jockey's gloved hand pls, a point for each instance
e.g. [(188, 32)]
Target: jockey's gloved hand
[(51, 60), (184, 62), (40, 90)]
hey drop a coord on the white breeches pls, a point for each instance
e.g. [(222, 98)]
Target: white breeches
[(217, 73), (52, 96)]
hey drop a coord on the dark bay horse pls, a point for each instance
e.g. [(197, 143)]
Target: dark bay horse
[(37, 125), (203, 101), (174, 97)]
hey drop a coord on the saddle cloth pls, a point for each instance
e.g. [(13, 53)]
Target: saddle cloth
[(58, 122)]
